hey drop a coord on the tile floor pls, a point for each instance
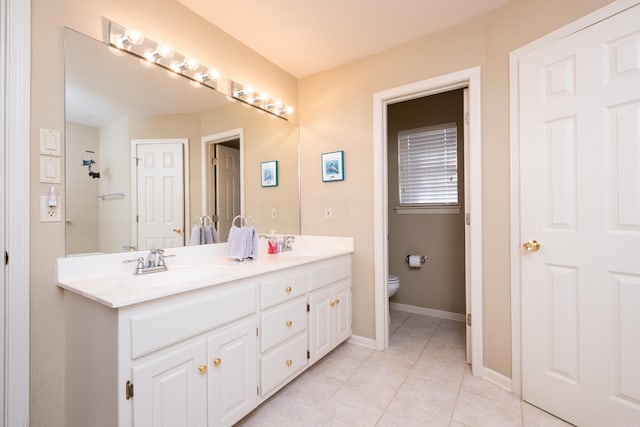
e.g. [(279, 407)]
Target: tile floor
[(421, 380)]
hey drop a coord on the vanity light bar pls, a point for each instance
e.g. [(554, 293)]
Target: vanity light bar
[(134, 42), (261, 101)]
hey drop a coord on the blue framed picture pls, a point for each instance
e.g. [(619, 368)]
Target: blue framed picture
[(269, 173), (333, 166)]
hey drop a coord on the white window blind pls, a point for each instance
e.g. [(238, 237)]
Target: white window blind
[(428, 165)]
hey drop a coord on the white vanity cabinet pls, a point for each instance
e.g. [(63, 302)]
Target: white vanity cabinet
[(185, 360), (329, 307), (211, 381), (206, 356)]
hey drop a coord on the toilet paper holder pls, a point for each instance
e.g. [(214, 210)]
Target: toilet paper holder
[(423, 259)]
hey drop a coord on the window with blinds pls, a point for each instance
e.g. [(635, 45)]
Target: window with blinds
[(428, 166)]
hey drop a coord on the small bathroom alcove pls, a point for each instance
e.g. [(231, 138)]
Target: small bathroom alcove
[(437, 289)]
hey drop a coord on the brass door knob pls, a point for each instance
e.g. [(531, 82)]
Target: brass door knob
[(289, 362), (202, 369), (288, 289), (217, 361), (289, 323), (531, 246), (177, 230)]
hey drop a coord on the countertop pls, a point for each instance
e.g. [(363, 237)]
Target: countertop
[(109, 281)]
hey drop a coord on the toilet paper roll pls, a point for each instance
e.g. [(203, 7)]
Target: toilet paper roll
[(414, 261)]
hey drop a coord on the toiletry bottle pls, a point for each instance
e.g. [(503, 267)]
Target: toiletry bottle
[(273, 243)]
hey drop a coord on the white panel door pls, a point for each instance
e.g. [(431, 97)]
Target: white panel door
[(233, 377), (320, 324), (342, 312), (227, 188), (580, 199), (171, 390), (160, 195)]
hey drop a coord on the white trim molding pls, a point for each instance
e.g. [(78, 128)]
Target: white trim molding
[(15, 78), (217, 138), (498, 379), (514, 145), (362, 342), (469, 78)]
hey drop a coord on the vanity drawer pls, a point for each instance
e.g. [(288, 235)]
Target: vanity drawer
[(282, 322), (330, 272), (165, 323), (284, 362), (282, 288)]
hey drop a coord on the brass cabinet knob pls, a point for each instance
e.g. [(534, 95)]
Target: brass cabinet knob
[(202, 369), (332, 303), (531, 246), (217, 361), (337, 300), (288, 289), (289, 362), (289, 323)]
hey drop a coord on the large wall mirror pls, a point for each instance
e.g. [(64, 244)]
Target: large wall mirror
[(149, 155)]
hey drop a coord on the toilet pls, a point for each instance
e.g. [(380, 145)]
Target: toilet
[(393, 284)]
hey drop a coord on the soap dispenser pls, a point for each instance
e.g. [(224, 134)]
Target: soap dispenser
[(272, 243)]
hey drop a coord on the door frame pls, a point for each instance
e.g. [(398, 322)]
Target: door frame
[(218, 138), (15, 145), (514, 122), (134, 182), (471, 79)]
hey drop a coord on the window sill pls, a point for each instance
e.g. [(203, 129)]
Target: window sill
[(422, 210)]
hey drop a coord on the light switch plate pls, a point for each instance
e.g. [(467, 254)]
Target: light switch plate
[(50, 172), (50, 144)]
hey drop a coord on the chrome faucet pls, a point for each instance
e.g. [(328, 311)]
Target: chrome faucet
[(286, 243), (155, 262)]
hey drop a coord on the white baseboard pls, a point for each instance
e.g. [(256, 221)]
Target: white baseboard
[(362, 341), (497, 379), (427, 311)]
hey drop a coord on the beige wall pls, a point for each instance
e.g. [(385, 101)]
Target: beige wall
[(81, 209), (115, 177), (265, 138), (336, 113), (439, 284), (161, 20)]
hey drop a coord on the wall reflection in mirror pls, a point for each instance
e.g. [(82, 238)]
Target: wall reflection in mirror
[(149, 155)]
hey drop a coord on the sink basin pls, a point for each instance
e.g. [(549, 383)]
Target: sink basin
[(179, 274), (302, 253)]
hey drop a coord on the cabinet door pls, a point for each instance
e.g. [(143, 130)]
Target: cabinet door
[(320, 324), (171, 390), (342, 312), (233, 382)]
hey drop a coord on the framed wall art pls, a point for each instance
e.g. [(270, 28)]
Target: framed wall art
[(269, 173), (333, 166)]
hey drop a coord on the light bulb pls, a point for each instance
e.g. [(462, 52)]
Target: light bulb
[(164, 50), (134, 36), (191, 63)]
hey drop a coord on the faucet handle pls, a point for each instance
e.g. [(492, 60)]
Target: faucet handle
[(139, 265), (161, 256)]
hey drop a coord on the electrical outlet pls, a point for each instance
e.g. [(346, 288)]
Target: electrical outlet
[(50, 213), (328, 213), (274, 213)]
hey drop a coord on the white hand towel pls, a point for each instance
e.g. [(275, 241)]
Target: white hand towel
[(196, 235), (242, 243), (210, 235)]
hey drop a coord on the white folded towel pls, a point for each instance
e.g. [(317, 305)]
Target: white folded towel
[(210, 235), (197, 237), (242, 243)]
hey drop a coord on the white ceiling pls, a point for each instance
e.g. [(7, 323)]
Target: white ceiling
[(307, 36)]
